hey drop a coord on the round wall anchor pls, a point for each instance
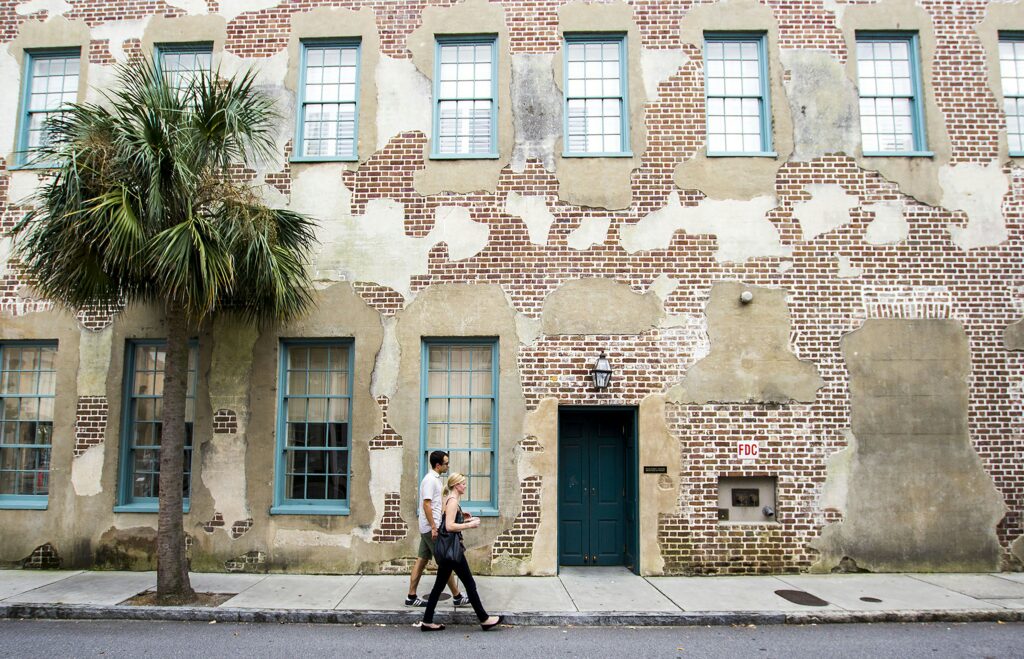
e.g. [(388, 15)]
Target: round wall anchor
[(746, 297)]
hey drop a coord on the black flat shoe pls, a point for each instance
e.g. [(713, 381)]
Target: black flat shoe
[(494, 624), (424, 627)]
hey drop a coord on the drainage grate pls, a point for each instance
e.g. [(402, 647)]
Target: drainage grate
[(800, 597)]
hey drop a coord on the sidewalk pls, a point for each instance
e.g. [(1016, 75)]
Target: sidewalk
[(578, 596)]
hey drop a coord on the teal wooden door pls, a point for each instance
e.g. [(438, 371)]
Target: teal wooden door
[(592, 490)]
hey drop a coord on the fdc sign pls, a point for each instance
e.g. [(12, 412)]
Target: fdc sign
[(747, 449)]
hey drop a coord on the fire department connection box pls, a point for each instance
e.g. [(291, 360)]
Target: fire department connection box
[(746, 500)]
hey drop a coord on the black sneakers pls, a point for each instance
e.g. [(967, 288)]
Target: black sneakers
[(461, 600), (414, 600)]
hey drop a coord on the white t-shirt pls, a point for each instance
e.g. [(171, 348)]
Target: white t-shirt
[(430, 488)]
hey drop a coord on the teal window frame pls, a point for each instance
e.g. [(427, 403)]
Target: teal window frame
[(346, 43), (23, 153), (618, 39), (126, 502), (161, 50), (760, 39), (479, 507), (920, 141), (27, 501), (284, 505), (1016, 38), (441, 41)]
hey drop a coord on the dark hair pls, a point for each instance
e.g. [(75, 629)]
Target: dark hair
[(436, 458)]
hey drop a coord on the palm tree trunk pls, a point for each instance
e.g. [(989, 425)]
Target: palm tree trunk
[(172, 584)]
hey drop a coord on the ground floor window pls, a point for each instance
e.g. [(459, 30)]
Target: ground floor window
[(28, 381)]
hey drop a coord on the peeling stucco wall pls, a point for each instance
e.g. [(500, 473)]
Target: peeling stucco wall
[(570, 309), (916, 497), (750, 359), (822, 102), (658, 493), (828, 208), (536, 110)]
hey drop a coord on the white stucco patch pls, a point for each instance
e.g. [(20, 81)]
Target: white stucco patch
[(232, 9), (101, 77), (534, 212), (453, 225), (384, 379), (86, 471), (318, 191), (385, 476), (836, 8), (270, 71), (221, 475), (846, 270), (94, 362), (51, 7), (657, 67), (977, 190), (784, 266), (823, 104), (374, 247), (403, 99), (591, 231), (23, 183), (528, 329), (192, 7), (742, 229), (10, 71), (117, 32), (889, 225), (828, 208), (837, 475), (664, 286)]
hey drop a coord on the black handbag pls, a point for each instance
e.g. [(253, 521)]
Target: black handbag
[(448, 547)]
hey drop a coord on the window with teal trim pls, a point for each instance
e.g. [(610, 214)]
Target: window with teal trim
[(51, 83), (314, 427), (465, 96), (595, 95), (28, 381), (888, 78), (460, 392), (736, 95), (181, 63), (329, 101), (143, 428), (1011, 70)]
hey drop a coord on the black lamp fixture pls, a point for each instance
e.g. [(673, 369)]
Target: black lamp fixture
[(602, 372)]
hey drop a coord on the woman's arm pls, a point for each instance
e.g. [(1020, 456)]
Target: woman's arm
[(451, 509)]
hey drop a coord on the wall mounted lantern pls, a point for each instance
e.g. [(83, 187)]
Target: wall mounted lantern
[(602, 372)]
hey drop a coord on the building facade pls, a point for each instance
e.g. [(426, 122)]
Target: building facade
[(794, 229)]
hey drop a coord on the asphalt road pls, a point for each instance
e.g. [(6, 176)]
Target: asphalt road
[(46, 638)]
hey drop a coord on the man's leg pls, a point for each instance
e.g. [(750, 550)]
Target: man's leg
[(414, 577)]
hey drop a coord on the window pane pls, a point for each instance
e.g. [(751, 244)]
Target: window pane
[(734, 105), (593, 126), (887, 101), (329, 102)]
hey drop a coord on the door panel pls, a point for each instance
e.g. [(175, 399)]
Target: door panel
[(573, 517)]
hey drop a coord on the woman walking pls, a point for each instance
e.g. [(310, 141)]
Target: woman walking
[(455, 521)]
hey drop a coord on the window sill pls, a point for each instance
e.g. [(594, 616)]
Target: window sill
[(899, 154), (464, 156), (618, 154), (30, 167), (306, 509), (314, 159), (146, 507), (751, 523), (14, 502), (481, 511), (742, 154)]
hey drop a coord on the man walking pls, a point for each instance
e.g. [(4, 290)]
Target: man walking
[(429, 514)]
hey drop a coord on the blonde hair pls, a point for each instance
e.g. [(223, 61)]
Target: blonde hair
[(453, 480)]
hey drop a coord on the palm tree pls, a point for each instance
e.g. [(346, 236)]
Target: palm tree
[(142, 207)]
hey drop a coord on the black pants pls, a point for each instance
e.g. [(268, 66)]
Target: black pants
[(461, 569)]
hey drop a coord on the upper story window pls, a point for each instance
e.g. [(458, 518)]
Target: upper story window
[(596, 121), (51, 82), (28, 381), (460, 414), (889, 80), (328, 122), (181, 63), (139, 485), (1011, 70), (314, 430), (465, 98), (736, 95)]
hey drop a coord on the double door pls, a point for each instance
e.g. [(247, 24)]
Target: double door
[(596, 488)]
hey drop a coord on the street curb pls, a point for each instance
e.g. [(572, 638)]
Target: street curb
[(550, 619)]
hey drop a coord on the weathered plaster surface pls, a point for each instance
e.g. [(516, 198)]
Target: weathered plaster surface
[(403, 100), (117, 32), (591, 231), (1013, 336), (889, 225), (220, 458), (828, 208), (534, 212), (739, 177), (846, 269), (232, 9), (750, 357), (51, 7), (536, 110), (192, 7), (835, 491), (87, 472), (461, 310), (658, 66), (917, 497), (469, 17), (569, 309), (823, 103), (375, 248), (385, 368), (386, 476), (94, 362), (659, 493), (741, 227), (576, 176), (1017, 548), (978, 190)]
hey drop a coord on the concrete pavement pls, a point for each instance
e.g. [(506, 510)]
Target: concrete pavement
[(577, 596)]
